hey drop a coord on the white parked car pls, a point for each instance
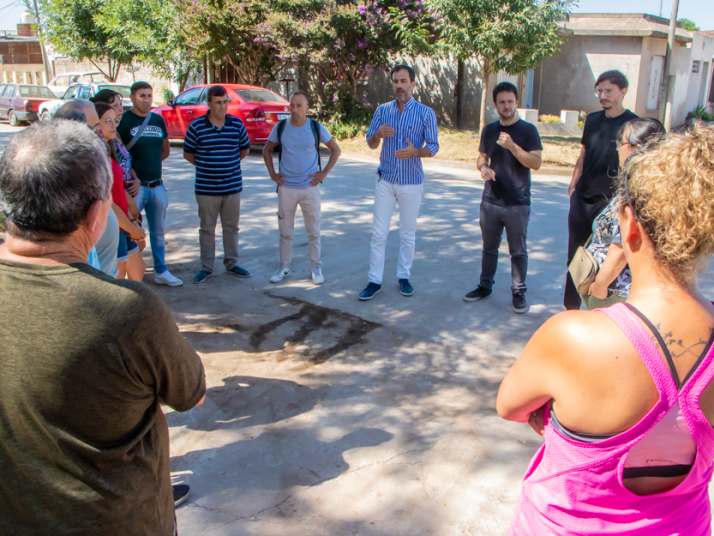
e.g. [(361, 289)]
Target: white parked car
[(85, 92), (59, 84)]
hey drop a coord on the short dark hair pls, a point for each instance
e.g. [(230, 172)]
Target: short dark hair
[(216, 91), (403, 67), (102, 108), (504, 87), (105, 95), (136, 86), (50, 174), (614, 77), (642, 131), (73, 110), (300, 92)]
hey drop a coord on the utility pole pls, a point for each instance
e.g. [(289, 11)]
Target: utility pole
[(667, 75), (41, 39)]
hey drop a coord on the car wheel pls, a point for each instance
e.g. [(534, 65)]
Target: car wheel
[(12, 119), (45, 115)]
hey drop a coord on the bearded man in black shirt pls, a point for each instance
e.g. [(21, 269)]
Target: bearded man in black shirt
[(510, 148), (592, 183)]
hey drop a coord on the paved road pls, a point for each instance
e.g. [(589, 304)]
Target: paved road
[(328, 416)]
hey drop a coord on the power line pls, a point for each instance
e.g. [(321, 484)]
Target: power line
[(10, 4)]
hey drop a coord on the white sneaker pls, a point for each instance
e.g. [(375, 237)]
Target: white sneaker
[(317, 276), (280, 275), (168, 279)]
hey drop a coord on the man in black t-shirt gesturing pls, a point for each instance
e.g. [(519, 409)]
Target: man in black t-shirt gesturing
[(509, 149), (591, 186)]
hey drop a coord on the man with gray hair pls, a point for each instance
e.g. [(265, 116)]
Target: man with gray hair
[(107, 246), (78, 110), (87, 360)]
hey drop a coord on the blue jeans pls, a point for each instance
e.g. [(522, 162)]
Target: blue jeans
[(154, 201)]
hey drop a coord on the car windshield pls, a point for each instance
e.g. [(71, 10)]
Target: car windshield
[(37, 92), (259, 95), (124, 91)]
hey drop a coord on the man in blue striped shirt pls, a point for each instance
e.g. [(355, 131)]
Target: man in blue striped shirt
[(215, 144), (409, 131)]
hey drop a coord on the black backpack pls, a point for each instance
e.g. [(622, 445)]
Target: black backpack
[(314, 126)]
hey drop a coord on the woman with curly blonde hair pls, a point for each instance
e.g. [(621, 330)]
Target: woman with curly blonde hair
[(624, 396)]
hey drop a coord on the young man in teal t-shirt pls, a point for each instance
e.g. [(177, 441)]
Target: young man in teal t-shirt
[(145, 135)]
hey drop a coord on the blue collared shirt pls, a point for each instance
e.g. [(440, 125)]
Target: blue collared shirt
[(417, 123)]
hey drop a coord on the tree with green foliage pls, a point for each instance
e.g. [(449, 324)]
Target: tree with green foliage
[(331, 44), (72, 28), (688, 24), (114, 33), (501, 35), (234, 32), (149, 29)]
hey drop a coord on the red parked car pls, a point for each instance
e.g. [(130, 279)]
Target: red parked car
[(19, 102), (258, 108)]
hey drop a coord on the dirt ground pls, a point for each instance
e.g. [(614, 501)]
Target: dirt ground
[(326, 416)]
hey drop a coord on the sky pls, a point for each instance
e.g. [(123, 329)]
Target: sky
[(700, 11)]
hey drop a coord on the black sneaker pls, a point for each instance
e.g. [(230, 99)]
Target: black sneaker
[(479, 293), (520, 305), (369, 292), (180, 494), (238, 271), (405, 287)]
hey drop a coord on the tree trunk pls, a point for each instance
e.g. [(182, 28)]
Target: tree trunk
[(485, 75), (459, 90)]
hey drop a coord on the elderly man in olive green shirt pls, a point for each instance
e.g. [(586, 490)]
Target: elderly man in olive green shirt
[(87, 361)]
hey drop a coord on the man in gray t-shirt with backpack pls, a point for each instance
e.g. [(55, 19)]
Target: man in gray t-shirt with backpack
[(299, 176)]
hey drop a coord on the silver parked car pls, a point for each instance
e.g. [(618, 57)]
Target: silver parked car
[(83, 92)]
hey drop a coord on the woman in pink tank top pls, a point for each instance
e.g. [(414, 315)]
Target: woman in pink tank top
[(624, 396)]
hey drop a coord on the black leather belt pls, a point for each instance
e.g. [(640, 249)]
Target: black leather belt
[(152, 184)]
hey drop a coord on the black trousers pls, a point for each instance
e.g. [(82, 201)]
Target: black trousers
[(493, 219), (580, 222)]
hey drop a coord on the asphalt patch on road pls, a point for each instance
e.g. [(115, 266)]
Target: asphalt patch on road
[(313, 332)]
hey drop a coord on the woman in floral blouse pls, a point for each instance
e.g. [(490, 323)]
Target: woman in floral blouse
[(613, 280)]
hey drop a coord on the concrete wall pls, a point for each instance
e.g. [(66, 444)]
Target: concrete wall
[(31, 73), (568, 79), (692, 89), (436, 85), (652, 57)]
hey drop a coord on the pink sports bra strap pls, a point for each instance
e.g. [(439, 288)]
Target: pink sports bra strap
[(642, 340)]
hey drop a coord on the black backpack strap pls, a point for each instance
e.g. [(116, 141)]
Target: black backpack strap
[(281, 128), (316, 132)]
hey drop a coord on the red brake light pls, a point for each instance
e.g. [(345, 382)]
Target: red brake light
[(258, 114)]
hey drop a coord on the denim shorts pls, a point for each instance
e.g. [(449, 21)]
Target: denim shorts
[(126, 246)]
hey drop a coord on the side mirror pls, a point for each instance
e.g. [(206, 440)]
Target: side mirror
[(172, 102)]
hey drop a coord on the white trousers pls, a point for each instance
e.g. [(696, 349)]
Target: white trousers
[(408, 197)]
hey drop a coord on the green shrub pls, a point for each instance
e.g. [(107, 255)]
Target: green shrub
[(700, 112), (167, 95), (343, 130), (2, 222), (549, 119)]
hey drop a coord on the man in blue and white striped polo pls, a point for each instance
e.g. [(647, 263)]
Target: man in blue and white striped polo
[(215, 144), (409, 131)]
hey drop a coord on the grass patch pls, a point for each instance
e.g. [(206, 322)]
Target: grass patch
[(462, 146)]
